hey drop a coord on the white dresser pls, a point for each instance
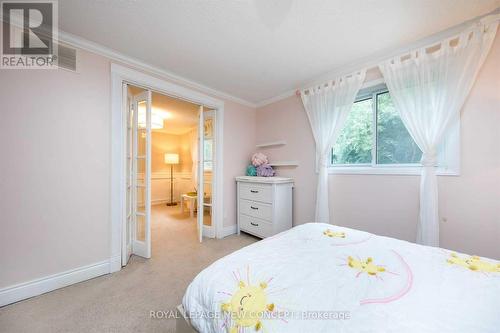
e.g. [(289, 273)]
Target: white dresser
[(264, 205)]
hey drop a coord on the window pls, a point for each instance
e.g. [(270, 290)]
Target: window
[(208, 154), (374, 140), (394, 145), (354, 144)]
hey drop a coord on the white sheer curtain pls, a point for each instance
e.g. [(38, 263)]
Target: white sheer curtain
[(327, 107), (194, 157), (428, 90)]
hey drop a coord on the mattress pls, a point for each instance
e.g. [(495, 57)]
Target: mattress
[(322, 278)]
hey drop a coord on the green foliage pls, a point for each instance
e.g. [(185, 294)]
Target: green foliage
[(394, 144), (354, 144)]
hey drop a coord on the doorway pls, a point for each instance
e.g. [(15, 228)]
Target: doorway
[(144, 188)]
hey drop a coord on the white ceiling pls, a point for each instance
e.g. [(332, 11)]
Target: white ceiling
[(258, 49), (180, 117)]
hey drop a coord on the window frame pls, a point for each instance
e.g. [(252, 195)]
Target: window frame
[(373, 168)]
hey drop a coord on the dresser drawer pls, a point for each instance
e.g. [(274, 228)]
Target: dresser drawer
[(255, 226), (256, 209), (261, 192)]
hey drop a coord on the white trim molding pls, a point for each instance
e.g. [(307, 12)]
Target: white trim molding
[(43, 285), (208, 231), (228, 231), (84, 44), (373, 60), (415, 170), (119, 75), (366, 62), (115, 264)]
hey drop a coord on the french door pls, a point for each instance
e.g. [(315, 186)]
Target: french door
[(138, 175), (201, 188), (206, 175), (137, 233)]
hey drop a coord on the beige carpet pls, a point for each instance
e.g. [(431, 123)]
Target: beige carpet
[(121, 302)]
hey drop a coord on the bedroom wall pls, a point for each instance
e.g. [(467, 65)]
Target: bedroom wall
[(170, 143), (55, 171), (388, 205), (55, 137), (239, 145), (160, 172)]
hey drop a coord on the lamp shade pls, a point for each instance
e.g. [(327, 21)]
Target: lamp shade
[(171, 158)]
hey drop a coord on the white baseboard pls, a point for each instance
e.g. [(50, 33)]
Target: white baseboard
[(37, 287), (208, 231), (115, 264), (159, 202), (228, 231), (163, 202)]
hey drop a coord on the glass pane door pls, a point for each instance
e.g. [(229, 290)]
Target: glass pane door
[(127, 237), (201, 187), (141, 174), (208, 166)]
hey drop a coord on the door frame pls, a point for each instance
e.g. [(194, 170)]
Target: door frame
[(119, 75)]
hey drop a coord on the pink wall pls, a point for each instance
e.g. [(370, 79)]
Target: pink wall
[(239, 143), (388, 205), (55, 139), (54, 175), (162, 143), (55, 170)]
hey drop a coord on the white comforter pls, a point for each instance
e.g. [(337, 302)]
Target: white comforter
[(304, 280)]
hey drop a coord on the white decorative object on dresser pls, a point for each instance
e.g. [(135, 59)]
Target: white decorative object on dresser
[(264, 205)]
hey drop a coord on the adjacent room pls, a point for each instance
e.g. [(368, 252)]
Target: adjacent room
[(165, 170), (250, 166)]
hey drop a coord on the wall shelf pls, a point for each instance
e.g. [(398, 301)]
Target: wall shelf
[(285, 164), (271, 144)]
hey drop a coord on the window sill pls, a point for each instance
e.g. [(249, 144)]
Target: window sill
[(388, 170)]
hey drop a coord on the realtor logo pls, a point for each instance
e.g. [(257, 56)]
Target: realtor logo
[(29, 34)]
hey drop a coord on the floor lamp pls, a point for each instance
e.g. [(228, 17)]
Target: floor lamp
[(171, 159)]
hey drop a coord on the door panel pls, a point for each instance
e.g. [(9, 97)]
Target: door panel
[(127, 232), (201, 188), (208, 169), (140, 227), (207, 217), (141, 175)]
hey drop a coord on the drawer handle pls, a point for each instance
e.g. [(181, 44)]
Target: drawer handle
[(254, 224), (256, 208), (254, 191)]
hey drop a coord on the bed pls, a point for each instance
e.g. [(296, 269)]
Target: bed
[(322, 278)]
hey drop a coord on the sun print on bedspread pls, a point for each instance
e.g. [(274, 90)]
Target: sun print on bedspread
[(474, 263), (344, 239), (386, 280), (247, 306), (379, 282), (330, 233), (365, 266)]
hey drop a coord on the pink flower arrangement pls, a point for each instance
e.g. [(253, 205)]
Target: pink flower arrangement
[(258, 159)]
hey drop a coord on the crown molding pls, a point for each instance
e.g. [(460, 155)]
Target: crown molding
[(374, 59), (84, 44), (366, 62), (276, 98)]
